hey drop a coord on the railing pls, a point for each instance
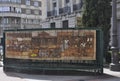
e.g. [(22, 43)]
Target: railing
[(77, 6), (9, 26), (61, 10), (65, 10), (54, 12), (49, 14), (13, 1)]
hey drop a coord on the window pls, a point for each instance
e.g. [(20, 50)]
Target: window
[(40, 4), (54, 5), (67, 9), (40, 12), (4, 9), (54, 12), (9, 20), (27, 2), (65, 24), (52, 25), (5, 20), (17, 21), (67, 1), (36, 12), (28, 11), (13, 1), (4, 0), (18, 10), (80, 4), (35, 21), (18, 1), (53, 0), (29, 21), (12, 9), (36, 3)]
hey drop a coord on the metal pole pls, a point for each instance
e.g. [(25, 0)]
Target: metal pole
[(114, 66)]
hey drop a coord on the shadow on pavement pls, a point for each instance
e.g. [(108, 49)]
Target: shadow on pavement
[(82, 76)]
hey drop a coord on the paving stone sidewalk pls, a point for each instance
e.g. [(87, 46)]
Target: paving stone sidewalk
[(12, 76)]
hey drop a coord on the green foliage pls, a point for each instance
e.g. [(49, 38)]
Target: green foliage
[(97, 13)]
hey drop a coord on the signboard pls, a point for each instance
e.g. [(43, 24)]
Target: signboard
[(51, 44)]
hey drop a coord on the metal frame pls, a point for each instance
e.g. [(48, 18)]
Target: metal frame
[(44, 65)]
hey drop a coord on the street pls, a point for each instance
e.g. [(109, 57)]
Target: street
[(12, 76)]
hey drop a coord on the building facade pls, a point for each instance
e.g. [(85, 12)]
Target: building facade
[(27, 14), (62, 13), (20, 14)]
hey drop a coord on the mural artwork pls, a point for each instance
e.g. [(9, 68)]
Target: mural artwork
[(51, 45)]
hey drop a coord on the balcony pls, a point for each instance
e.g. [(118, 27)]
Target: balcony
[(10, 25), (52, 13), (67, 10), (77, 7), (49, 14), (61, 10), (10, 1)]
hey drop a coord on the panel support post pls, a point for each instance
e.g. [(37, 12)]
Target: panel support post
[(114, 66)]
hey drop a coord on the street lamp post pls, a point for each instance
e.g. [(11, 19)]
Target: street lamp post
[(114, 66)]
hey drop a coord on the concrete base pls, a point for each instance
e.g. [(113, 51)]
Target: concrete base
[(114, 67)]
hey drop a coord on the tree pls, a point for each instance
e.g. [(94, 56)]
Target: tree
[(97, 13)]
